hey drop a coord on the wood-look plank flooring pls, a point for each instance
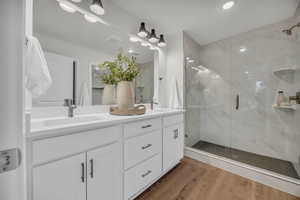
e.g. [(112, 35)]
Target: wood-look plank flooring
[(193, 180)]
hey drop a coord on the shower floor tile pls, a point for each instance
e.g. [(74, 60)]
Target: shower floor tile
[(276, 165)]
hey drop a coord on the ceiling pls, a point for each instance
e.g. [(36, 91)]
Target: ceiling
[(204, 20), (51, 21)]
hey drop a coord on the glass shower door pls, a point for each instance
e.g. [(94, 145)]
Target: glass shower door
[(208, 101)]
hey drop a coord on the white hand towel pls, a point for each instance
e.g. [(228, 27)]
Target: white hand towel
[(37, 76), (84, 95), (175, 101)]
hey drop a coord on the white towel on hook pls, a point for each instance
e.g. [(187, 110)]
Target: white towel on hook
[(37, 76), (84, 99), (175, 101)]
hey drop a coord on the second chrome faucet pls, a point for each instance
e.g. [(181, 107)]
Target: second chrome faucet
[(71, 107)]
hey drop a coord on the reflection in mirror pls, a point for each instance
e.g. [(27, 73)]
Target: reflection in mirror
[(143, 84), (74, 47)]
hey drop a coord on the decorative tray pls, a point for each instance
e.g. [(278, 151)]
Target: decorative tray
[(137, 110)]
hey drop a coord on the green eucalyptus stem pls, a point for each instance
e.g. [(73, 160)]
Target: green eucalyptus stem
[(123, 68)]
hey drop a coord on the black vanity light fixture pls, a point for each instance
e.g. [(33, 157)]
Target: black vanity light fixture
[(97, 7), (162, 42), (143, 33), (150, 37)]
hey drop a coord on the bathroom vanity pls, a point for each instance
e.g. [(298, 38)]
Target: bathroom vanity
[(102, 156)]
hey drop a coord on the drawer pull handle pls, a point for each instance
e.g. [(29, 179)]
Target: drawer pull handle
[(146, 146), (176, 134), (147, 126), (82, 172), (92, 168), (146, 174)]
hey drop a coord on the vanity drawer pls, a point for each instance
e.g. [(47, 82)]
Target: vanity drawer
[(140, 176), (136, 128), (58, 147), (142, 147), (173, 119)]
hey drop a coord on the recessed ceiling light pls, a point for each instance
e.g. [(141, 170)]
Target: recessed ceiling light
[(243, 49), (216, 76), (203, 69), (90, 18), (191, 61), (152, 47), (134, 39), (130, 51), (145, 44), (228, 5), (67, 6)]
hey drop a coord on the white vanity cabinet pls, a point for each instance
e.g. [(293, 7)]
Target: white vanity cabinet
[(62, 179), (173, 140), (104, 173), (86, 167), (114, 163)]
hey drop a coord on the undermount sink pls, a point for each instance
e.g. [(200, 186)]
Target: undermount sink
[(159, 110), (64, 121)]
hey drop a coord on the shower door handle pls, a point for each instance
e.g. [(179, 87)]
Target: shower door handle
[(237, 102)]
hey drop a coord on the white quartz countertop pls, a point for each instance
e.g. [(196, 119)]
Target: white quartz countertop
[(55, 126)]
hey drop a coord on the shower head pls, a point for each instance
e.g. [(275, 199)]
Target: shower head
[(287, 31), (290, 30)]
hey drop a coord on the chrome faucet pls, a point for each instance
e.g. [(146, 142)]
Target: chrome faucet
[(71, 107), (152, 104)]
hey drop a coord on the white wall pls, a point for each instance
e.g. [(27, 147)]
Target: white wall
[(172, 59), (83, 55), (11, 88)]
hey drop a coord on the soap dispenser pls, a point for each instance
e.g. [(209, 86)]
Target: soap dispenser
[(280, 98)]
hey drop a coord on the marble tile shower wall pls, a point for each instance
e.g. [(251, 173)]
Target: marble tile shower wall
[(256, 126)]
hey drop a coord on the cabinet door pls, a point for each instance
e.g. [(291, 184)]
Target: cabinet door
[(104, 173), (173, 142), (60, 180)]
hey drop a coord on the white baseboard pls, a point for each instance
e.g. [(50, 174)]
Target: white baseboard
[(291, 186)]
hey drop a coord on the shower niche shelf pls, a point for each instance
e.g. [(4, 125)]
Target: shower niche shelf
[(284, 71), (286, 108)]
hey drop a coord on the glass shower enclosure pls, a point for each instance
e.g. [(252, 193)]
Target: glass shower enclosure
[(230, 91)]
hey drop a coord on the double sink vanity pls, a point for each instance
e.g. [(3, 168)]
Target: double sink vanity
[(95, 155), (100, 156)]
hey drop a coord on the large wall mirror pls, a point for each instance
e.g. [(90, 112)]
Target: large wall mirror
[(74, 47)]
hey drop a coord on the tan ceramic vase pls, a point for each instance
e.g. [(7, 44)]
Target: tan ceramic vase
[(108, 97), (125, 95)]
